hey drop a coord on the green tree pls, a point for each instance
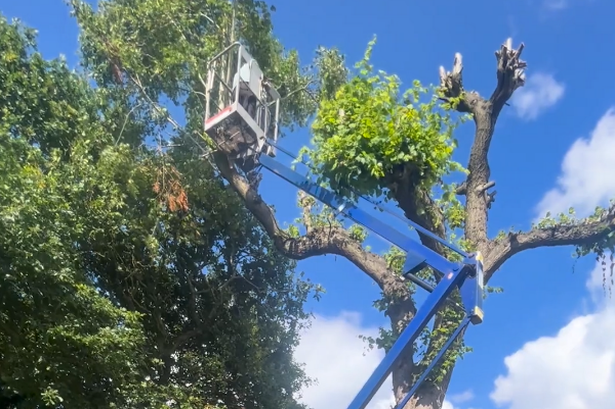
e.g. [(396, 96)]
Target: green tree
[(57, 334), (129, 278), (369, 137)]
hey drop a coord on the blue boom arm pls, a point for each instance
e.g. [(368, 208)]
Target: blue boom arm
[(467, 276)]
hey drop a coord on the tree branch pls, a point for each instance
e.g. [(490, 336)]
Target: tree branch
[(414, 202), (462, 189), (582, 233), (510, 75), (451, 86), (306, 204), (318, 241), (484, 187)]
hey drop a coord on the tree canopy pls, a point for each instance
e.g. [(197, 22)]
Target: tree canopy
[(131, 277)]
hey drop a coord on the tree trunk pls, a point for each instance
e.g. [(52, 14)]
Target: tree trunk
[(406, 372), (428, 396)]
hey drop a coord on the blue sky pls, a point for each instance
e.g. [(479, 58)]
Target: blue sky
[(537, 161)]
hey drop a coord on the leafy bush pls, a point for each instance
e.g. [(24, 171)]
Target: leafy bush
[(367, 135)]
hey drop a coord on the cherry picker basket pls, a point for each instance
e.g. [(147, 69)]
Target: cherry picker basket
[(242, 106)]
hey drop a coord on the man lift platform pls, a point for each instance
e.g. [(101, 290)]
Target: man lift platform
[(241, 117)]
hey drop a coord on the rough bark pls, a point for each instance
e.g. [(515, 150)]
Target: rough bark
[(485, 112), (585, 232), (334, 240), (411, 201)]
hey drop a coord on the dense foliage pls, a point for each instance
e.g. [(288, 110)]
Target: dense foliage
[(129, 278), (367, 131)]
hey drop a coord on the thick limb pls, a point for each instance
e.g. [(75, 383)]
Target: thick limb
[(485, 112), (581, 233)]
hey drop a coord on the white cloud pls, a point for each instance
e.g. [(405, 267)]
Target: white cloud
[(337, 358), (462, 397), (541, 92), (573, 369), (448, 405), (585, 180)]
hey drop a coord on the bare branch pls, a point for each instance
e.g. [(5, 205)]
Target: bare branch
[(452, 81), (318, 241), (510, 73), (462, 189), (490, 198), (137, 82), (451, 86), (306, 204), (484, 187), (582, 233)]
